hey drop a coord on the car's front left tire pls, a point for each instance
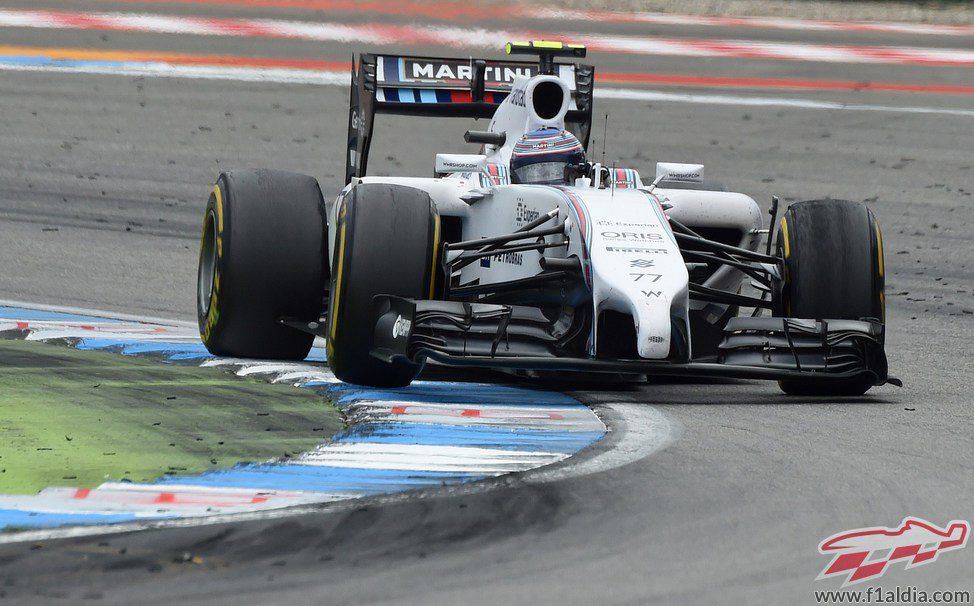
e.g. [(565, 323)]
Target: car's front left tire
[(833, 261), (386, 243)]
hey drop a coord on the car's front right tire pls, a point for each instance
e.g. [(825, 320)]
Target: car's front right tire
[(263, 257)]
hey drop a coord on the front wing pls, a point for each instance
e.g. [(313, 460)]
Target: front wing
[(521, 337)]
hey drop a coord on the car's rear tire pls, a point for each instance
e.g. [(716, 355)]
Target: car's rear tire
[(833, 253), (263, 257), (386, 243)]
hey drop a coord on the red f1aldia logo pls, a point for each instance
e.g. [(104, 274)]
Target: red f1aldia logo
[(865, 553)]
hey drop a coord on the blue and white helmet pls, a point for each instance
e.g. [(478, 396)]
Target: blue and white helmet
[(540, 157)]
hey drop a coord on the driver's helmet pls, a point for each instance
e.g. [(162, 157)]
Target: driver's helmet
[(540, 157)]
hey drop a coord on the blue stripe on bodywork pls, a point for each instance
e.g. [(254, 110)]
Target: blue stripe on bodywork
[(390, 69)]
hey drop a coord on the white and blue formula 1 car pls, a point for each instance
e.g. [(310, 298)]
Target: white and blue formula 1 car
[(530, 257)]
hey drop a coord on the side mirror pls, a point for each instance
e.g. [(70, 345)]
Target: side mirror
[(460, 163), (671, 171)]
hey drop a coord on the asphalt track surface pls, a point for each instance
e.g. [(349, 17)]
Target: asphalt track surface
[(102, 182)]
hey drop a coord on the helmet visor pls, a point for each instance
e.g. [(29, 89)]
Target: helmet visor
[(541, 173)]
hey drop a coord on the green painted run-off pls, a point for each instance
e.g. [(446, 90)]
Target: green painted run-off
[(80, 418)]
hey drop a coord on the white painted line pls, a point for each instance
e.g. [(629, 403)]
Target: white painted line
[(167, 70), (757, 22), (251, 367), (528, 417), (295, 373), (103, 332), (84, 311), (643, 430), (304, 376), (632, 94), (422, 457)]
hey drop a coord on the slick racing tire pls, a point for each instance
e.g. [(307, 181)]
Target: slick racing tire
[(833, 254), (263, 257), (386, 244)]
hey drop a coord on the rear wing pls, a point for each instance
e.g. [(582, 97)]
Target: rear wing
[(457, 88)]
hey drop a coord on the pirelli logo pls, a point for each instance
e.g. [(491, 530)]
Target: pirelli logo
[(618, 249)]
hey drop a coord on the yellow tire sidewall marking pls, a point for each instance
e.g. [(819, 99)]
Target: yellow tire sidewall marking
[(879, 251), (336, 295), (436, 251), (784, 237), (787, 246), (213, 313), (882, 269)]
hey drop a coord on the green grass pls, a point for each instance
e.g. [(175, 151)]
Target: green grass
[(79, 418)]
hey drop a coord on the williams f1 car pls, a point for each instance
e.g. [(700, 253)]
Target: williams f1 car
[(529, 256)]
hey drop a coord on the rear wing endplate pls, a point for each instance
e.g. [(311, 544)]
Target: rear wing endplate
[(438, 87)]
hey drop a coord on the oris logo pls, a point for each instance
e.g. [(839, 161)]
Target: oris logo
[(630, 235), (401, 327)]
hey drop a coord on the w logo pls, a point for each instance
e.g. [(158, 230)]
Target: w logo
[(865, 553)]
